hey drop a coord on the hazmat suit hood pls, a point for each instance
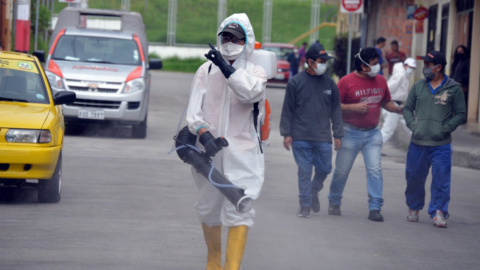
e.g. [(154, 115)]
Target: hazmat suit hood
[(244, 22)]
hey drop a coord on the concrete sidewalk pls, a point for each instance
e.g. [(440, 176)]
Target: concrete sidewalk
[(465, 143)]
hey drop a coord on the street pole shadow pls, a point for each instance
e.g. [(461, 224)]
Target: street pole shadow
[(99, 131), (15, 195)]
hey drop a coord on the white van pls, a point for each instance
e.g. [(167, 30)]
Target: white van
[(102, 56)]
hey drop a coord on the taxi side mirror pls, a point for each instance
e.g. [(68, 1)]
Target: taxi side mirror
[(155, 64), (64, 97), (40, 54)]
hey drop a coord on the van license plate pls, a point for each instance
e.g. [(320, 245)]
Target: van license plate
[(90, 114)]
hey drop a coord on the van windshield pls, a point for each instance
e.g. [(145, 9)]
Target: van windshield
[(97, 50)]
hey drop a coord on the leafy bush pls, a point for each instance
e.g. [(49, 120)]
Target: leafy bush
[(341, 51), (43, 19), (153, 55), (197, 20), (189, 65)]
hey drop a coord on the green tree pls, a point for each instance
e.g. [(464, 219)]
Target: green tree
[(43, 20)]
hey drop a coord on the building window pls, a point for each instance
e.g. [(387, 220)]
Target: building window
[(444, 29), (464, 5)]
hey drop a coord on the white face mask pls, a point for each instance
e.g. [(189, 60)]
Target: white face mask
[(321, 68), (231, 51), (375, 71), (409, 71)]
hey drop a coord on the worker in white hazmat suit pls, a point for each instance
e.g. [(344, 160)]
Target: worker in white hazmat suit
[(225, 94), (398, 84)]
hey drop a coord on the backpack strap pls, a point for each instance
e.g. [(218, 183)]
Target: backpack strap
[(256, 112), (249, 68)]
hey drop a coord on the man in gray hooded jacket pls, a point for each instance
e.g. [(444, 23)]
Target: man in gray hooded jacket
[(311, 103)]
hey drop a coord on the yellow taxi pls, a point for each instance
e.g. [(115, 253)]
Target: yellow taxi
[(31, 125)]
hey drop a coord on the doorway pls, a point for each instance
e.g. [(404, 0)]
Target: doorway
[(432, 27)]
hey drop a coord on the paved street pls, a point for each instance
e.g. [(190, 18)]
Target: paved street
[(126, 204)]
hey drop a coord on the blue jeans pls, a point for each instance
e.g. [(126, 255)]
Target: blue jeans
[(419, 160), (370, 144), (309, 154)]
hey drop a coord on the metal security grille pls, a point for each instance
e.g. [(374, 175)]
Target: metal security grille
[(89, 103), (96, 87)]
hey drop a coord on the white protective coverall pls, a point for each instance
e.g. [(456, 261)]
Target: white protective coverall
[(398, 85), (225, 108)]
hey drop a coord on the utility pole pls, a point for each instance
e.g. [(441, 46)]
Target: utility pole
[(222, 11), (349, 60), (45, 31), (172, 22), (267, 21), (126, 5), (314, 19), (36, 24)]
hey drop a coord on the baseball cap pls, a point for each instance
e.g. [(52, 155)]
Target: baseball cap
[(410, 62), (234, 29), (317, 51), (434, 56)]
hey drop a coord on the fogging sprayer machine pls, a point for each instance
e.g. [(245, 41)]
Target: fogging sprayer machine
[(201, 161)]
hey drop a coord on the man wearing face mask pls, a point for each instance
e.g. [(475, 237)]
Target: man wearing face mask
[(435, 108), (362, 95), (311, 103), (398, 85), (293, 59), (225, 94)]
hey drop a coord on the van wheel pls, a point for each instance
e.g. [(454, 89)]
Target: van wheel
[(140, 131), (49, 189)]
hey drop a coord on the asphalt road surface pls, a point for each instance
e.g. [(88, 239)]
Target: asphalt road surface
[(126, 204)]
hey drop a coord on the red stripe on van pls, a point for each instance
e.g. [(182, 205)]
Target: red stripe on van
[(54, 45)]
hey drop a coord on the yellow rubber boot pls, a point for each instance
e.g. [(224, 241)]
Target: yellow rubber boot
[(213, 239), (237, 239)]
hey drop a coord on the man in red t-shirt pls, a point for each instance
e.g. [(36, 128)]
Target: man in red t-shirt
[(362, 95), (395, 56)]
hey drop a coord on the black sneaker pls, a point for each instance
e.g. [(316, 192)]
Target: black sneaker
[(375, 216), (304, 212), (315, 203), (334, 210)]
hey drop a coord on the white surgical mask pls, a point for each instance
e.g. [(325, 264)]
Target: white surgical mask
[(320, 69), (409, 71), (231, 51), (375, 70)]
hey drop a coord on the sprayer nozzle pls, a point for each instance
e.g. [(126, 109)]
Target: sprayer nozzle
[(245, 204)]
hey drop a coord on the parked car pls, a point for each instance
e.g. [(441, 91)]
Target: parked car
[(32, 127), (102, 56), (282, 50)]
